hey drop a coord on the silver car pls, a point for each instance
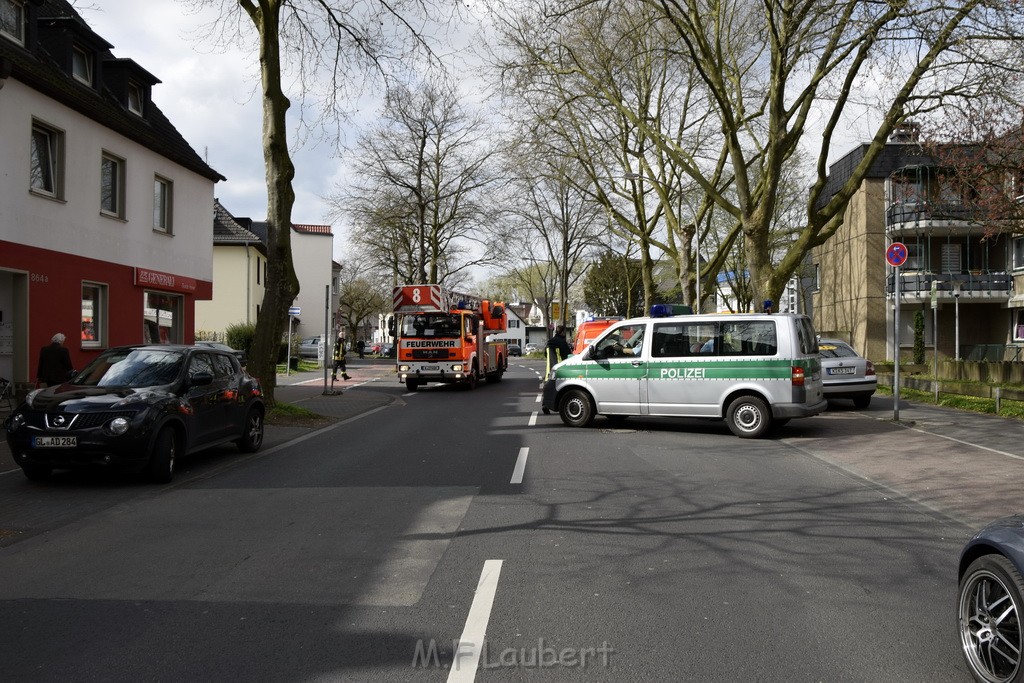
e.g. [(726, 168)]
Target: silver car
[(845, 373)]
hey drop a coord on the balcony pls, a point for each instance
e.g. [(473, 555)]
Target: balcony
[(916, 285), (934, 218)]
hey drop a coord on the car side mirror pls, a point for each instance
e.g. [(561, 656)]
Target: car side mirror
[(201, 379)]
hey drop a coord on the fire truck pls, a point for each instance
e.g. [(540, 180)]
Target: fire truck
[(443, 339)]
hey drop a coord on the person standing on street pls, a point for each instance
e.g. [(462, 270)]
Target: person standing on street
[(558, 345), (361, 347), (339, 360), (54, 363)]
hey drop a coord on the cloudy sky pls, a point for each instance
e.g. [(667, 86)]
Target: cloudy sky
[(211, 95)]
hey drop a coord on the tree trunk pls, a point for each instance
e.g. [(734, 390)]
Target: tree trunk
[(281, 285)]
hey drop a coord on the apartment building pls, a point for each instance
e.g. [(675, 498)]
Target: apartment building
[(105, 210), (963, 274)]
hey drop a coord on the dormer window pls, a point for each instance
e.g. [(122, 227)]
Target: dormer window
[(81, 65), (135, 98), (12, 19)]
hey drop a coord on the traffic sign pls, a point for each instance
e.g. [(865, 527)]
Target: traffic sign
[(295, 310), (896, 254)]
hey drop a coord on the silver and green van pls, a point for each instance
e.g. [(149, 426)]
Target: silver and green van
[(756, 371)]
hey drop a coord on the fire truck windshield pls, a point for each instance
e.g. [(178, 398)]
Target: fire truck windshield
[(432, 326)]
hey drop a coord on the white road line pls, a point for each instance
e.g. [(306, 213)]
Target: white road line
[(520, 468), (471, 644), (539, 396), (533, 419), (965, 443)]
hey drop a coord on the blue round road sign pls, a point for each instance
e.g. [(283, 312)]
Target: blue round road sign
[(896, 254)]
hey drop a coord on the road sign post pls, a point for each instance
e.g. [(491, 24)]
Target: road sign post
[(896, 255)]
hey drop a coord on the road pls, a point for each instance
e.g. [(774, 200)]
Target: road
[(385, 547)]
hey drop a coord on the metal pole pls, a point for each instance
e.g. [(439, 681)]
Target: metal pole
[(696, 239), (956, 298), (327, 330), (288, 359), (935, 351), (896, 346)]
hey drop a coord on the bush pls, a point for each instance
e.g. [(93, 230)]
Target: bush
[(240, 335)]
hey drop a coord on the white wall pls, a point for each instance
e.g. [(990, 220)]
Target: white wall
[(313, 258), (74, 224)]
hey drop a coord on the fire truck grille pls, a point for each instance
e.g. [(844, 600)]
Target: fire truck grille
[(428, 354)]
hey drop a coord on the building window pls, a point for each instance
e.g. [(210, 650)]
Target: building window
[(12, 19), (112, 186), (162, 319), (817, 277), (94, 315), (1018, 253), (258, 270), (47, 160), (1018, 326), (135, 98), (162, 202), (81, 65)]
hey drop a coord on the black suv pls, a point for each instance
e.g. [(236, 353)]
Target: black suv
[(138, 408)]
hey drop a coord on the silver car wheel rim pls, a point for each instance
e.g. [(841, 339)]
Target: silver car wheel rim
[(748, 417), (574, 409), (990, 628)]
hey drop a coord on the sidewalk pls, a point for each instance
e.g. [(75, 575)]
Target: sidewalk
[(306, 389)]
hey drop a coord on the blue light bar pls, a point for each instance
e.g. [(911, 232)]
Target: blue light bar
[(669, 310)]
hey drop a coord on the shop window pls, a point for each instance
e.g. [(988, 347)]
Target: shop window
[(162, 319), (46, 173), (12, 19), (94, 315), (162, 203), (112, 186)]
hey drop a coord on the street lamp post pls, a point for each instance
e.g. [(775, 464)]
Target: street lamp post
[(696, 236)]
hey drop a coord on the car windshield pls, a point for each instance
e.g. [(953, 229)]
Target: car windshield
[(135, 368), (440, 325), (831, 349)]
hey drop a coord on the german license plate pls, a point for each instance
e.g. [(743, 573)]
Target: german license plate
[(54, 441), (428, 367), (842, 371)]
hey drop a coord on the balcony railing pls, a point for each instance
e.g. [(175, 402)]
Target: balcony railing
[(917, 283), (913, 212)]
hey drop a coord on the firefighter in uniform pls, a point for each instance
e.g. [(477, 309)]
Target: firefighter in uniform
[(339, 360)]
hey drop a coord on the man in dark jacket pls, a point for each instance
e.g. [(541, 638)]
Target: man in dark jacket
[(54, 362), (558, 346)]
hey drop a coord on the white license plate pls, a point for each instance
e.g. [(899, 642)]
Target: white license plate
[(54, 441), (842, 371), (425, 368)]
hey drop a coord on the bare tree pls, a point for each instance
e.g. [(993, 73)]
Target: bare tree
[(329, 48), (421, 178)]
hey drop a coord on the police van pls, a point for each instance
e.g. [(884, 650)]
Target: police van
[(755, 371)]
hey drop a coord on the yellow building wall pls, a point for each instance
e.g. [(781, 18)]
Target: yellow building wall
[(236, 293)]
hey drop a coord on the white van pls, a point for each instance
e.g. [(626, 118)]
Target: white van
[(756, 371)]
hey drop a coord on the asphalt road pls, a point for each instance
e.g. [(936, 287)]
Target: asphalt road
[(449, 533)]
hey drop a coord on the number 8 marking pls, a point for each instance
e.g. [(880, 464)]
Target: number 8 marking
[(416, 295)]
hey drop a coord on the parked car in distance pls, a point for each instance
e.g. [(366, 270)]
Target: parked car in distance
[(138, 408), (845, 373), (387, 350), (240, 355), (531, 348), (990, 601), (309, 348), (515, 350)]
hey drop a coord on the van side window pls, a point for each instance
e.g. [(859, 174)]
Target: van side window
[(749, 338), (678, 340)]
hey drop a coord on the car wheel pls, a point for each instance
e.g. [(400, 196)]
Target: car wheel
[(161, 460), (411, 384), (990, 603), (471, 378), (862, 402), (35, 472), (575, 409), (252, 437), (748, 417)]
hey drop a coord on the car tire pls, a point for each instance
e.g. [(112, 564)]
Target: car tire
[(252, 434), (471, 379), (412, 384), (162, 460), (861, 402), (748, 417), (35, 472), (576, 409), (990, 606)]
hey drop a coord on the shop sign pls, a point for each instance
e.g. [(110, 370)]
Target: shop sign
[(154, 278)]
